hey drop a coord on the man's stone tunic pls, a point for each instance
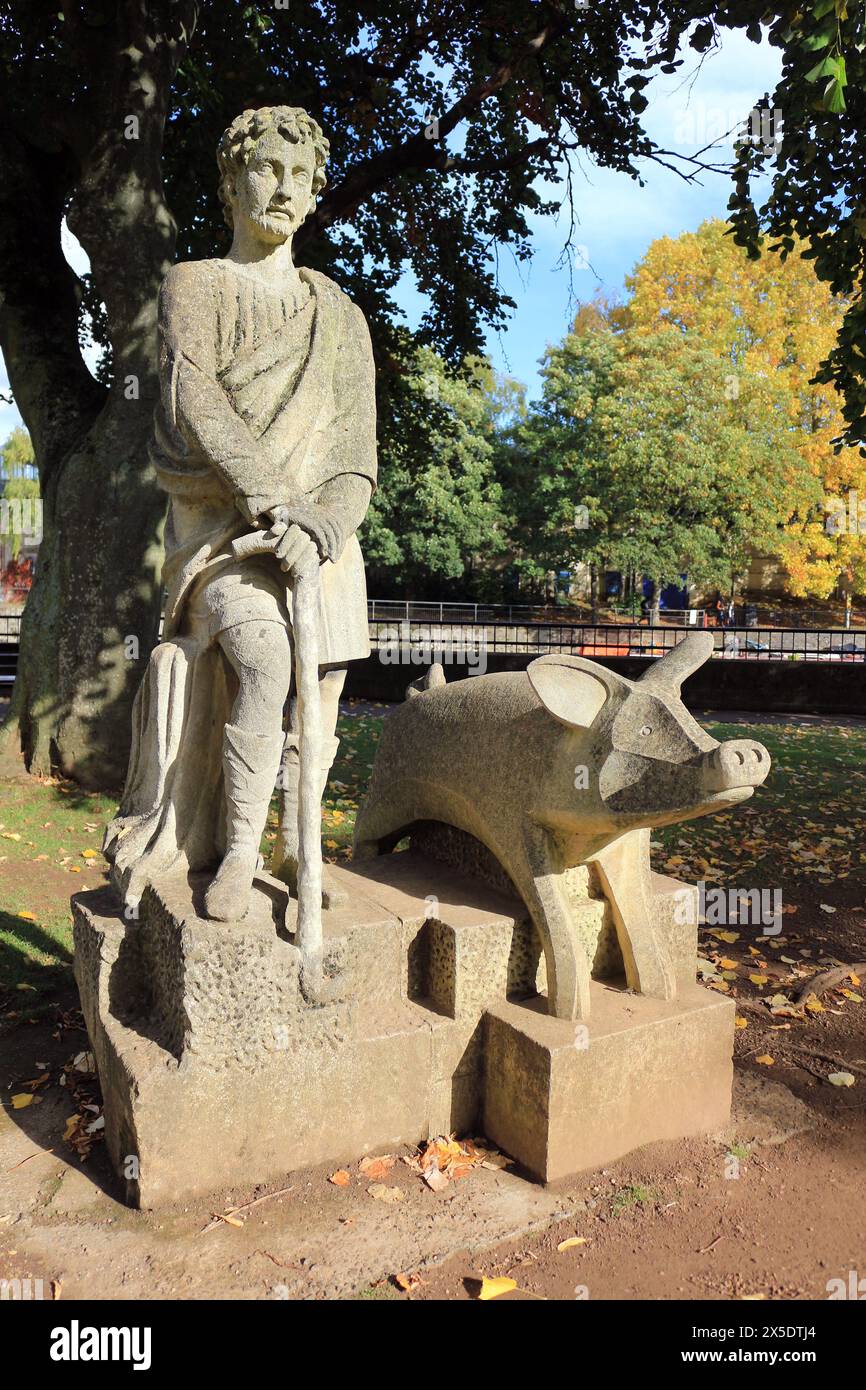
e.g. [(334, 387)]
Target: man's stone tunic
[(266, 398)]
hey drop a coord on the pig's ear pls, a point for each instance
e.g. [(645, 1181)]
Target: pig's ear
[(572, 689), (666, 675)]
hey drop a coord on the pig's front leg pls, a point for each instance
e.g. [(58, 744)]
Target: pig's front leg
[(568, 972), (624, 866)]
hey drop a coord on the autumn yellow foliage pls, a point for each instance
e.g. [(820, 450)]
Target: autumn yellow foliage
[(768, 317)]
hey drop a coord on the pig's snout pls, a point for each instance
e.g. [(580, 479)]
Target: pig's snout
[(737, 763)]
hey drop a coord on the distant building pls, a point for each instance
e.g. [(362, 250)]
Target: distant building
[(20, 535)]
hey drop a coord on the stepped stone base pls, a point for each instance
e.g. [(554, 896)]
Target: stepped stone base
[(216, 1073)]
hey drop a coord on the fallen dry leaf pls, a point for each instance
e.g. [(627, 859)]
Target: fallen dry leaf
[(781, 1007), (435, 1179), (380, 1193), (377, 1168), (496, 1161), (341, 1178), (450, 1159), (493, 1288), (571, 1243)]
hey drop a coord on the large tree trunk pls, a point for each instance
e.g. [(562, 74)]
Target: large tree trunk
[(93, 612)]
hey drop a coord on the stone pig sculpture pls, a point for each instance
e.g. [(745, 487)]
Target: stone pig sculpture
[(564, 764)]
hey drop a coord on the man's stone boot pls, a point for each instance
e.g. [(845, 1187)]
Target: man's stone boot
[(250, 766)]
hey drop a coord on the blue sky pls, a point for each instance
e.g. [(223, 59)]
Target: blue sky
[(617, 217)]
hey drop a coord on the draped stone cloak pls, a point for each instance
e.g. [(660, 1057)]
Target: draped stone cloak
[(266, 397)]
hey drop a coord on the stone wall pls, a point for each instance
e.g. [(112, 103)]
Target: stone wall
[(778, 687)]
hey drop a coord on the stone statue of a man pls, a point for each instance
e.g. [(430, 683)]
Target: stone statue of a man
[(265, 443)]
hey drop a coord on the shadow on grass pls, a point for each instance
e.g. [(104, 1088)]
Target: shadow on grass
[(70, 795), (28, 984)]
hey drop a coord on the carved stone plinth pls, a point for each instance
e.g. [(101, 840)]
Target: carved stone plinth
[(643, 1069), (216, 1073)]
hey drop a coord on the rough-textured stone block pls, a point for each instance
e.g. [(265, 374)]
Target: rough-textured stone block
[(192, 1104)]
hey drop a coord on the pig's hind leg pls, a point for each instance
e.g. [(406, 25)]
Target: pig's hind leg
[(625, 874), (540, 883)]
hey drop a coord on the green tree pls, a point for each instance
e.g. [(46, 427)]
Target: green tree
[(437, 527), (699, 461), (817, 179), (553, 461), (680, 460), (775, 317), (16, 456)]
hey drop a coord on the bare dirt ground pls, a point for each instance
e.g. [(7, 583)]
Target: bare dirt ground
[(680, 1221)]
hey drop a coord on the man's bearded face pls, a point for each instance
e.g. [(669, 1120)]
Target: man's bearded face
[(272, 192)]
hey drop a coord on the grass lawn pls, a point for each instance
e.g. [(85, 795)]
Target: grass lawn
[(803, 831)]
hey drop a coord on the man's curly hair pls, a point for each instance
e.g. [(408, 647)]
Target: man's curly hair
[(244, 133)]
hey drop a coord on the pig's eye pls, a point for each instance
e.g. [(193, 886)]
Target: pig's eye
[(646, 731)]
